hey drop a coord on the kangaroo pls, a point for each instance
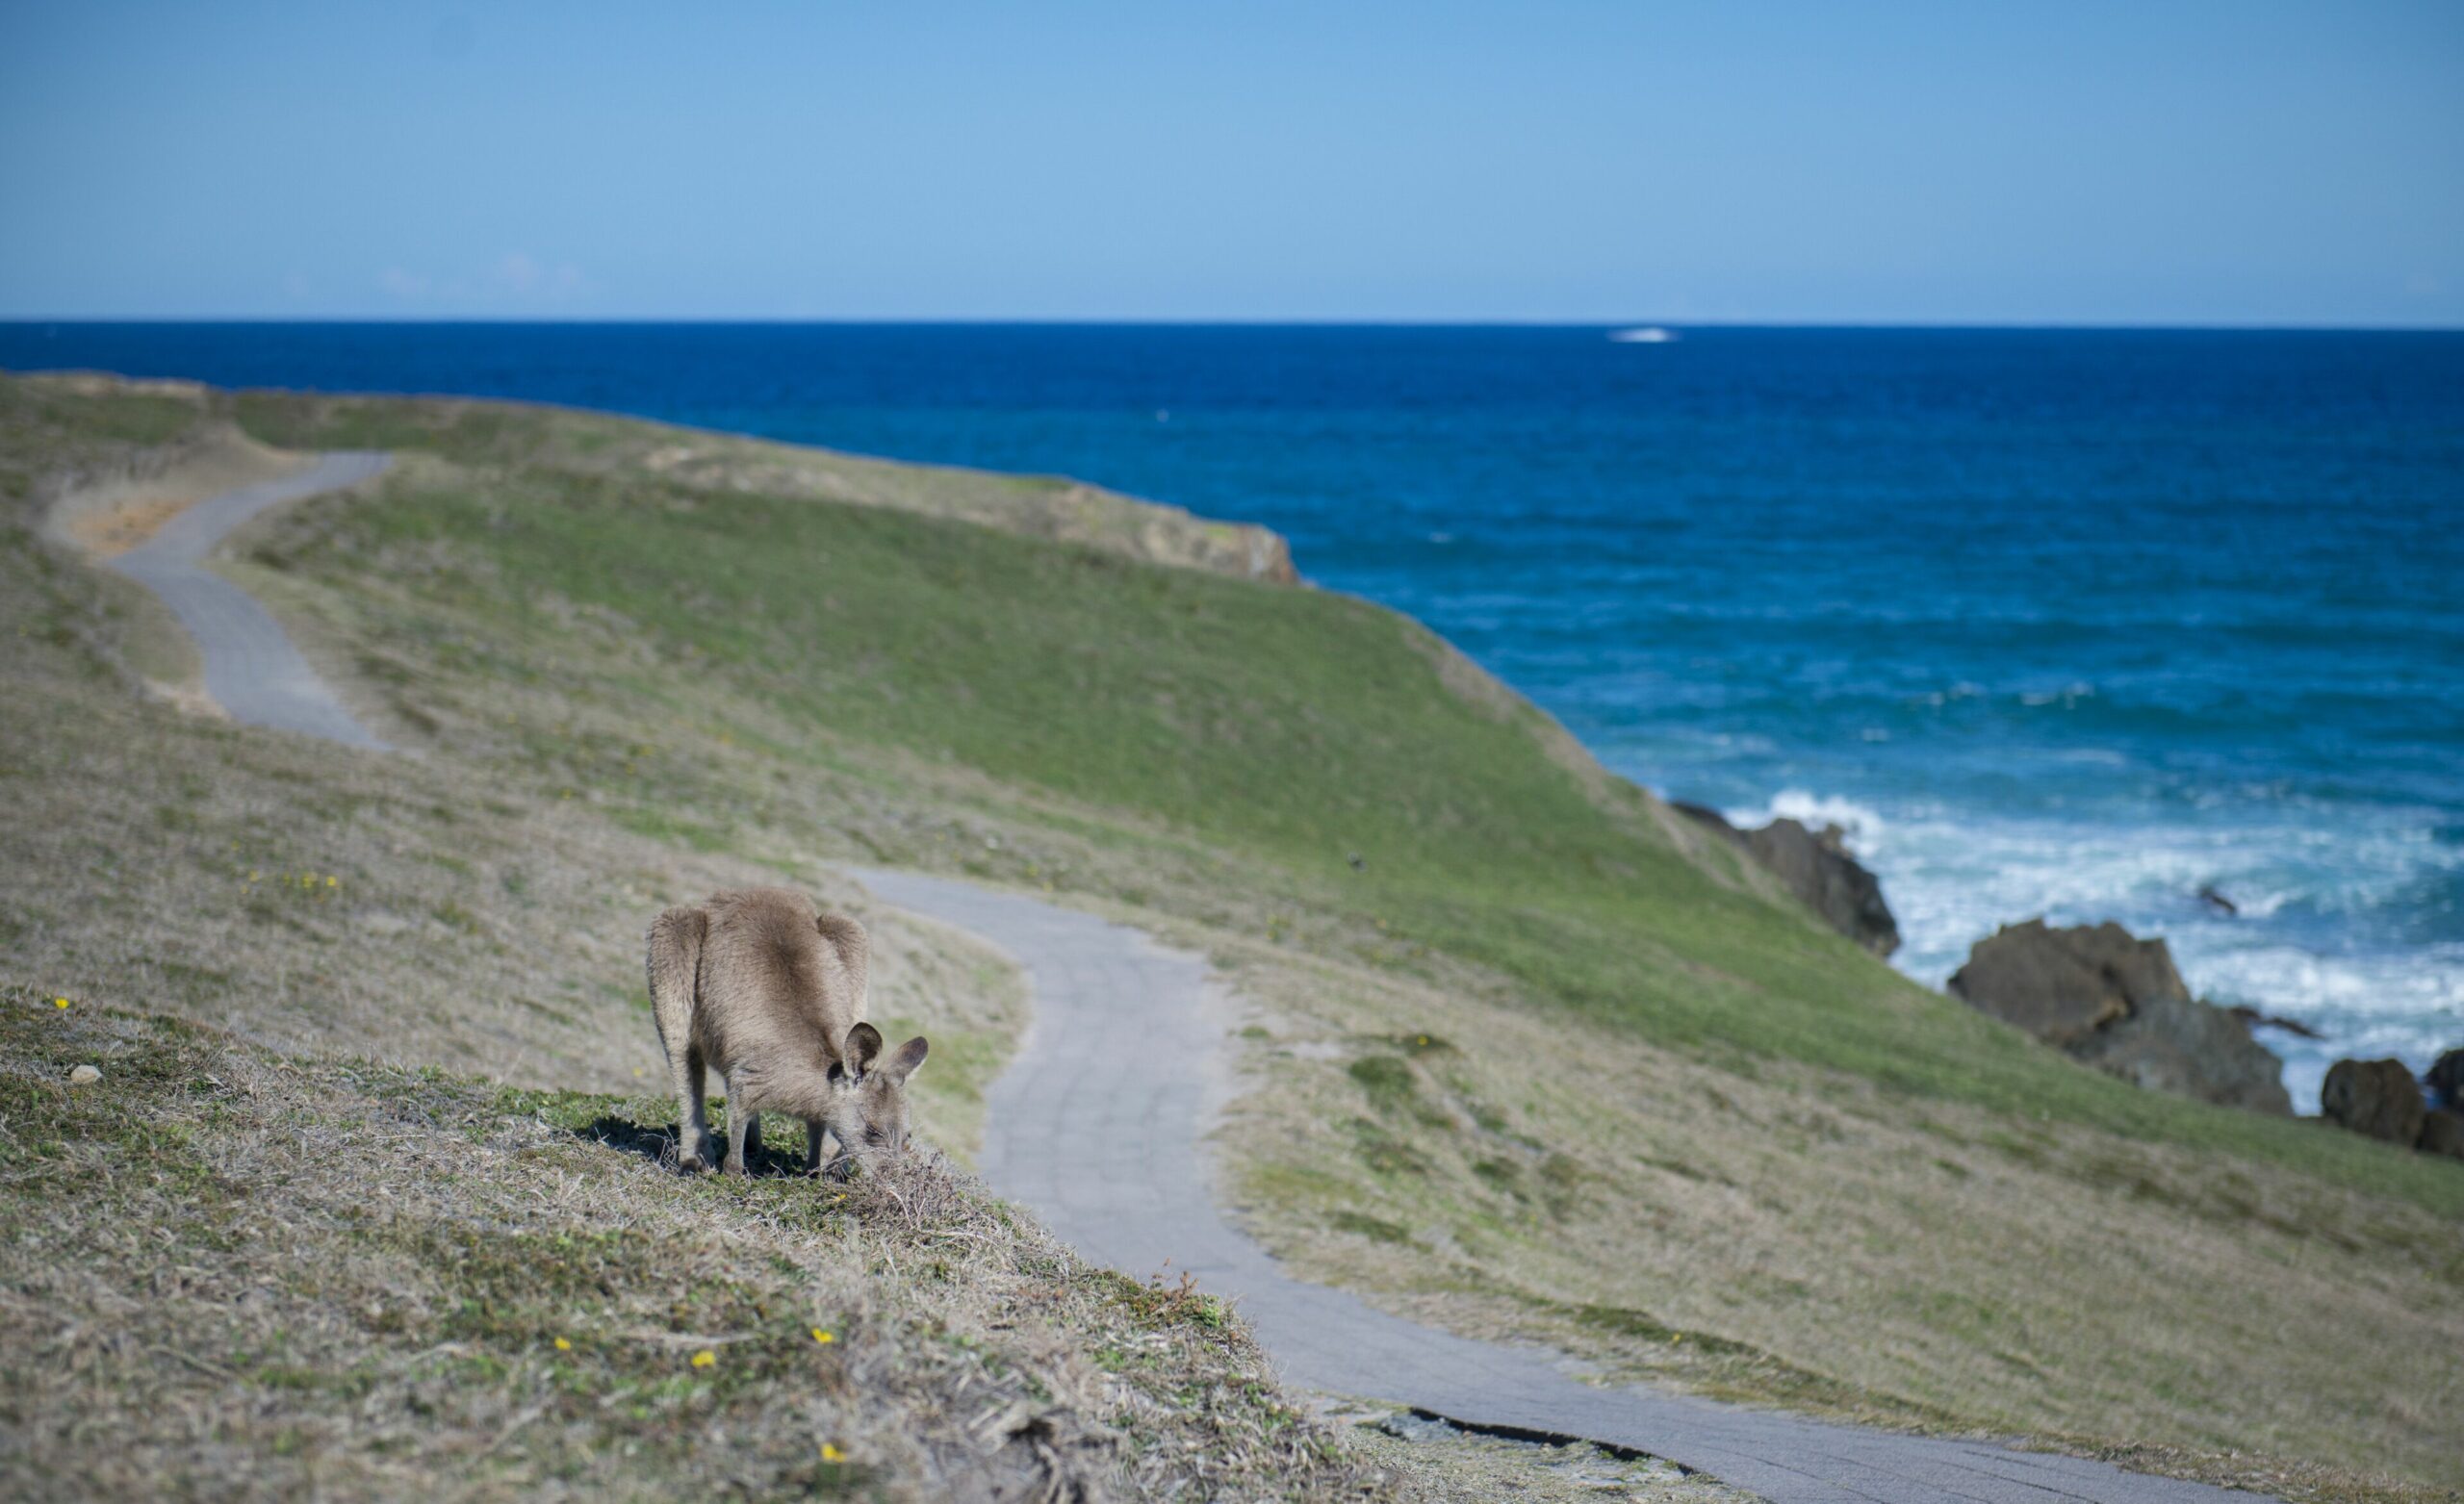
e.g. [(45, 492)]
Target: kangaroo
[(768, 990)]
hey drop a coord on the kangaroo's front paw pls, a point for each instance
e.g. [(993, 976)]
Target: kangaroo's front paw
[(687, 1163), (733, 1164)]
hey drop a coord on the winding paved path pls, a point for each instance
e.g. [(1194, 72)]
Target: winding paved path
[(1099, 1125), (252, 669)]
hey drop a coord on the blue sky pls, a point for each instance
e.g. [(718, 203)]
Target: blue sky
[(2157, 162)]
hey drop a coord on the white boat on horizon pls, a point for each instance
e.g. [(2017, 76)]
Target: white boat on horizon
[(1649, 334)]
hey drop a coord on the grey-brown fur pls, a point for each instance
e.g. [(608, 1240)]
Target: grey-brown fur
[(765, 989)]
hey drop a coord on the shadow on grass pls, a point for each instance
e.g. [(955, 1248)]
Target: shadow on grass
[(659, 1145)]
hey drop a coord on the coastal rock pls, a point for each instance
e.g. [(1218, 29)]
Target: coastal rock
[(2062, 986), (2254, 1020), (2446, 1080), (1816, 868), (2117, 1003), (2192, 1049), (2376, 1098), (2441, 1133)]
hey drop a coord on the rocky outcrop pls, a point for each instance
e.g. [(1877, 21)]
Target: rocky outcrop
[(2118, 1002), (2254, 1020), (2446, 1080), (2377, 1097), (1815, 866), (2193, 1049), (2062, 986), (2441, 1133)]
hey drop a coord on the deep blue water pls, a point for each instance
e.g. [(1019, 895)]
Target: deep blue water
[(2057, 622)]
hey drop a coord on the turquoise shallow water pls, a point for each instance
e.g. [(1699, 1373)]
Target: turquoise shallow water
[(2056, 622)]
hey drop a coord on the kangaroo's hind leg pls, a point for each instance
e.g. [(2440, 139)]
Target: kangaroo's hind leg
[(744, 1128), (673, 961), (695, 1147)]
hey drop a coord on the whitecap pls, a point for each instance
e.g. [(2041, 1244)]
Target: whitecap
[(2094, 756), (1862, 823)]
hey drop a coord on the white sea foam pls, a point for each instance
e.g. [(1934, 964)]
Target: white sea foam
[(2094, 757), (2303, 888), (1862, 825), (2408, 1005)]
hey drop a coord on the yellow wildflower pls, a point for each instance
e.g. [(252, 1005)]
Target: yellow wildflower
[(705, 1358), (563, 1346), (333, 882), (820, 1336), (59, 1001), (831, 1454)]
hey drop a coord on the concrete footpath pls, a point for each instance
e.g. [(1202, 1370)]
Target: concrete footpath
[(252, 670)]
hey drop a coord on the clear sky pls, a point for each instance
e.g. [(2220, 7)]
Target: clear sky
[(1969, 161)]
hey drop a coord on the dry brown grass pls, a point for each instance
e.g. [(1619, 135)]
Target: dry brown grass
[(1761, 1232), (115, 509), (230, 1272)]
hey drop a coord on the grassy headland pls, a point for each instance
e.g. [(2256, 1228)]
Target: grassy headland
[(1540, 1060)]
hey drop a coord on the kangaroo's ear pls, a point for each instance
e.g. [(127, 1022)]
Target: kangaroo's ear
[(863, 1042), (910, 1056)]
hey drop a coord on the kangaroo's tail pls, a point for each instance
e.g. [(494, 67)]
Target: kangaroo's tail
[(674, 965), (854, 951)]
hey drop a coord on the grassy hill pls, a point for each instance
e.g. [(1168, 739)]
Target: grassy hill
[(1528, 1055)]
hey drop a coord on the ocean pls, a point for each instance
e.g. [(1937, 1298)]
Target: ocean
[(2068, 622)]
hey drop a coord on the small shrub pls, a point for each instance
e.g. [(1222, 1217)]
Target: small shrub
[(1387, 1079), (1383, 1154), (1376, 1229)]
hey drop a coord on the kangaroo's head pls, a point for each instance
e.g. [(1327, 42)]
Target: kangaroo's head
[(867, 1106)]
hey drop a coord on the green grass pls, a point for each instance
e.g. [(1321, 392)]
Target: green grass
[(1291, 728), (256, 1276)]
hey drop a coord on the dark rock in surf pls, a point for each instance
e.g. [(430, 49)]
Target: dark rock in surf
[(2446, 1080), (2375, 1098), (2217, 900), (2062, 986), (2441, 1133), (1817, 869), (2193, 1049), (2253, 1018), (2117, 1003)]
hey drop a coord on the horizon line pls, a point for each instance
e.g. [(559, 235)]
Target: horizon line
[(2083, 326)]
